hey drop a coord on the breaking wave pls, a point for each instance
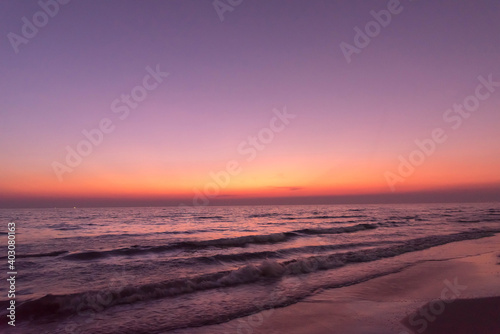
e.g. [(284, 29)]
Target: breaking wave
[(69, 304), (221, 243)]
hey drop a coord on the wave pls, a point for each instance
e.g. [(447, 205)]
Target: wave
[(393, 223), (488, 217), (337, 230), (189, 245), (55, 253), (70, 304), (65, 227), (491, 219), (69, 228), (240, 257), (415, 218), (265, 215), (220, 243), (326, 217)]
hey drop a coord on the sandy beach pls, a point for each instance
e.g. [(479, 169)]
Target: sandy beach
[(460, 294)]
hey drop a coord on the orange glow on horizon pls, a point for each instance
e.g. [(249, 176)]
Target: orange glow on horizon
[(269, 177)]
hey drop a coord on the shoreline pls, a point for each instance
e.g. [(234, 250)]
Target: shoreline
[(427, 297)]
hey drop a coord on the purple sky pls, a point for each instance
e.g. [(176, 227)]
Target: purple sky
[(353, 119)]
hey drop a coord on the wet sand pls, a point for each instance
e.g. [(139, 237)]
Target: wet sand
[(481, 315)]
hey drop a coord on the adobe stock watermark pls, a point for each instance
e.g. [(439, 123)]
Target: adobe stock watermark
[(248, 148), (222, 6), (31, 27), (373, 28), (428, 146), (419, 321), (121, 106)]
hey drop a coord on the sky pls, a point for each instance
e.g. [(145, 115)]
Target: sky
[(248, 102)]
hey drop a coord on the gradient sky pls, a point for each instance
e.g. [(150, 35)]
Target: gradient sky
[(352, 120)]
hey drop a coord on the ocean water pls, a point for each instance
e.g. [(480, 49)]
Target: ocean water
[(157, 270)]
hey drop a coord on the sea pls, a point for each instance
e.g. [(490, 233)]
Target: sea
[(172, 269)]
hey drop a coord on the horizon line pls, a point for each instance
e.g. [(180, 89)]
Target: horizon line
[(466, 195)]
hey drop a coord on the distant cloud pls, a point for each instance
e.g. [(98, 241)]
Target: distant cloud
[(289, 188)]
